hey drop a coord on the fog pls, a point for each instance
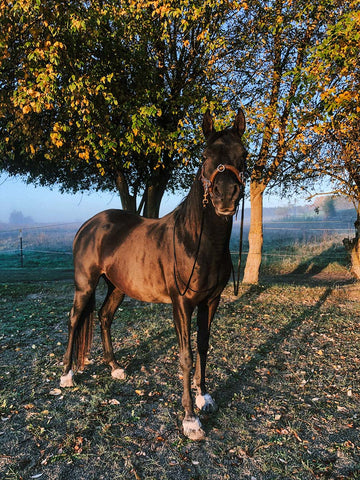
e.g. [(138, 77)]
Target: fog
[(45, 205)]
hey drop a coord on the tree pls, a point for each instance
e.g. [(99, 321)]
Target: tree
[(335, 70), (272, 45), (107, 94), (329, 208), (17, 218)]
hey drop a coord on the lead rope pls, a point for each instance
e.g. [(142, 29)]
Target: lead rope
[(236, 280), (176, 271)]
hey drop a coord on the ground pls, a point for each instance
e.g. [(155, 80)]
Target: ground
[(283, 369)]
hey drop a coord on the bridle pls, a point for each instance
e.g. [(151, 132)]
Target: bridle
[(208, 183)]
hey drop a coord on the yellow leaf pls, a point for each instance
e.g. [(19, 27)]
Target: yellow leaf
[(26, 109)]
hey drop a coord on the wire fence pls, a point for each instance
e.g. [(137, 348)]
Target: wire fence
[(50, 246), (42, 246)]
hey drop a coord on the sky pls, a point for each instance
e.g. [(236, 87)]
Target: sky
[(47, 205)]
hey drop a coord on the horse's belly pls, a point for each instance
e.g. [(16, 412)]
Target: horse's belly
[(141, 280), (148, 296)]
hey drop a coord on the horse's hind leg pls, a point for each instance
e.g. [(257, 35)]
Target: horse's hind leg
[(205, 315), (113, 299)]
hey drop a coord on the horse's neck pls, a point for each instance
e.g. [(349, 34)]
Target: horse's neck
[(196, 220)]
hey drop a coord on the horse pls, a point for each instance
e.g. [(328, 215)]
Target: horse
[(182, 258)]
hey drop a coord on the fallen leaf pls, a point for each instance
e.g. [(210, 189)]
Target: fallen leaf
[(55, 391)]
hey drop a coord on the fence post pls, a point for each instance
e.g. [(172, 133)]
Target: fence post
[(21, 249)]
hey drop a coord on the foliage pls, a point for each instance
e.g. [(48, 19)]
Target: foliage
[(335, 65), (107, 94), (273, 45)]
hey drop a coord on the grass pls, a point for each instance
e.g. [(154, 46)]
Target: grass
[(283, 367)]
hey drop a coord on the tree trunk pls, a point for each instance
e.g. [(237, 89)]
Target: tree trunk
[(353, 247), (154, 195), (253, 262), (128, 201)]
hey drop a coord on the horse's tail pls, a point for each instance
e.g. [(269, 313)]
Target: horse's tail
[(84, 334)]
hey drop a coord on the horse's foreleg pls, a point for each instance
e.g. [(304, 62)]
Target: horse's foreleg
[(106, 314), (205, 315), (182, 318)]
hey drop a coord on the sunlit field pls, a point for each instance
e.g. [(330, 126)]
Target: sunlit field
[(283, 367)]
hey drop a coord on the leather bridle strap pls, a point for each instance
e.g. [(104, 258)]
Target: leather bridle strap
[(221, 168), (208, 184)]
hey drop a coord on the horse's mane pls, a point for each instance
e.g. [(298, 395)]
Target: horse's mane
[(191, 205)]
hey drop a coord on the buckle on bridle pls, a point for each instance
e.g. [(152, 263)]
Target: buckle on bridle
[(208, 183)]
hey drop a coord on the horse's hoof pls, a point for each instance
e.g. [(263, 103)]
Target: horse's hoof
[(67, 380), (192, 429), (206, 403), (118, 373)]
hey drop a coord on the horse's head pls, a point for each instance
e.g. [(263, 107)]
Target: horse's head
[(224, 167)]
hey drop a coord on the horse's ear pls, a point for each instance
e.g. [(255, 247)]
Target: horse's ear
[(239, 123), (208, 124)]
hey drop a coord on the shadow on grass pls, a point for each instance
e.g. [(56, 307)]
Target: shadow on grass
[(318, 263), (147, 353), (327, 268), (235, 382)]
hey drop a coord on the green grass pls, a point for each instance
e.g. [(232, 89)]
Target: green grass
[(305, 257), (283, 367)]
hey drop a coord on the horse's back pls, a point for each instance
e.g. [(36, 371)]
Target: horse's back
[(102, 224), (101, 232), (130, 250)]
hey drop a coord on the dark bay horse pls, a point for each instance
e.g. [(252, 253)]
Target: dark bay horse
[(182, 258)]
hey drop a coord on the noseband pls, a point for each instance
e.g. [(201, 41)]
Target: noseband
[(208, 184)]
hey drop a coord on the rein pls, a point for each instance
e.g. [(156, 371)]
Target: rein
[(236, 281), (176, 270), (208, 185)]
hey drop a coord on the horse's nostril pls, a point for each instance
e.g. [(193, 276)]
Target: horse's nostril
[(236, 190), (217, 192)]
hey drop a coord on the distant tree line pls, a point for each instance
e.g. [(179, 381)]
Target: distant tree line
[(17, 218)]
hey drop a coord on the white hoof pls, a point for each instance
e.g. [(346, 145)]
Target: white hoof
[(206, 403), (67, 380), (118, 373), (192, 429)]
